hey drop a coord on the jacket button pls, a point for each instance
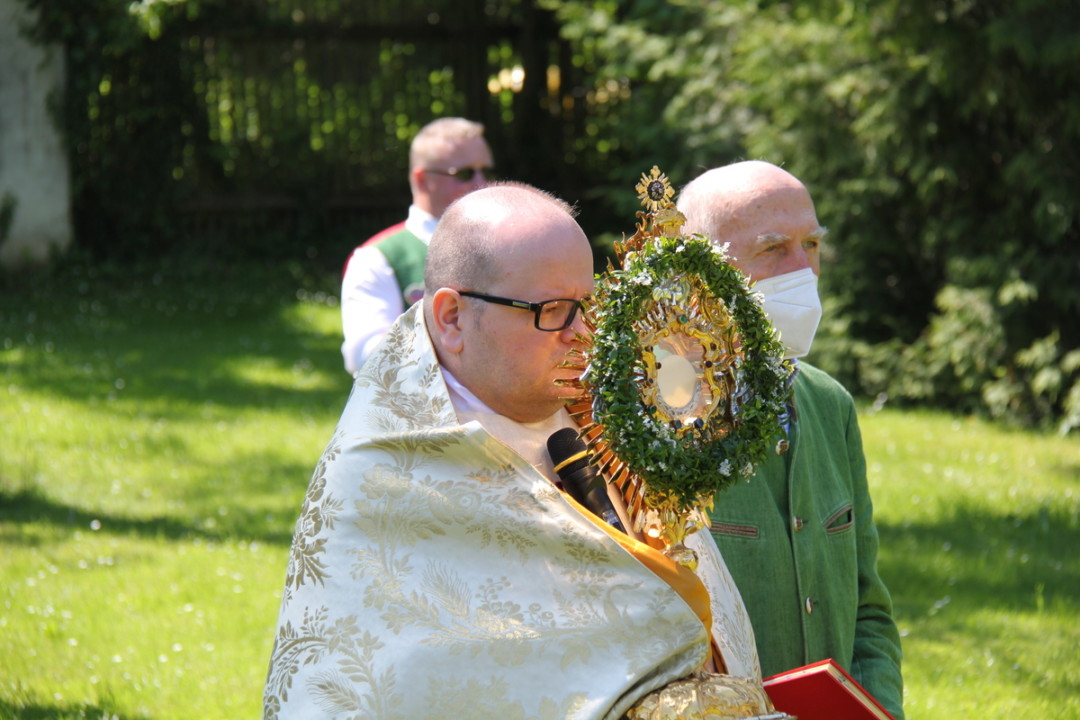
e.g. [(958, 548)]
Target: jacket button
[(797, 523), (810, 605)]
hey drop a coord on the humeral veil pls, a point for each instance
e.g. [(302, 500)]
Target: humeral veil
[(434, 573)]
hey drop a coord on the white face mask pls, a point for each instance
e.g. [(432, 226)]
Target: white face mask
[(792, 304)]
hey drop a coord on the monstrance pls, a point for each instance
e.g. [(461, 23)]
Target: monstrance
[(683, 383), (683, 378)]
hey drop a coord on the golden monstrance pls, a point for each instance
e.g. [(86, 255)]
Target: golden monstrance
[(683, 383)]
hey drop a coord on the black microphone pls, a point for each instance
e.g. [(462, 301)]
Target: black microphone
[(579, 477)]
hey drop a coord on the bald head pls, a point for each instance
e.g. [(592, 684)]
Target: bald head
[(479, 235), (761, 211)]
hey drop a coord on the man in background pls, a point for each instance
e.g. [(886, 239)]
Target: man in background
[(384, 276), (799, 538), (437, 571)]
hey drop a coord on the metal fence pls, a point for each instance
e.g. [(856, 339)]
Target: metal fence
[(292, 120)]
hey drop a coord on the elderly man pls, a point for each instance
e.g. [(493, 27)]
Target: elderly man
[(437, 571), (800, 537), (384, 276)]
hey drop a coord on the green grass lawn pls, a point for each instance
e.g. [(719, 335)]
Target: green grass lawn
[(980, 534), (160, 425)]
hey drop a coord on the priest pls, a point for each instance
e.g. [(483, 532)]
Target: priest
[(437, 567)]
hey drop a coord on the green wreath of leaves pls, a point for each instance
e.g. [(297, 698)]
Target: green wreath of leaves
[(689, 468)]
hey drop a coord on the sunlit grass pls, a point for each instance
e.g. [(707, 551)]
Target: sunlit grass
[(980, 535), (160, 427), (142, 626), (157, 442)]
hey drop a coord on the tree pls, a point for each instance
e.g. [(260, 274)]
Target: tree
[(940, 140)]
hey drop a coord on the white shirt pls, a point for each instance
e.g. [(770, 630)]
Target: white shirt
[(370, 296)]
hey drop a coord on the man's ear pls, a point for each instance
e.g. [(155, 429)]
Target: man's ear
[(447, 318), (418, 175)]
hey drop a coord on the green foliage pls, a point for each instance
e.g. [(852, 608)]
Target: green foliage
[(239, 128), (643, 99), (112, 203), (962, 360), (939, 140), (8, 204)]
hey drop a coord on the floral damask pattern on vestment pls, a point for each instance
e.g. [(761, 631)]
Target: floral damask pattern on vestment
[(434, 574)]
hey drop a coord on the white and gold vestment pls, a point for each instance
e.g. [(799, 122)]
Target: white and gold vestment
[(435, 573)]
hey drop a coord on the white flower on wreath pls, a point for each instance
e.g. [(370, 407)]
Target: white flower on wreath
[(717, 249)]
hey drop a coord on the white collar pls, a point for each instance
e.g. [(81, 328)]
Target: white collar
[(529, 440), (462, 397), (421, 223)]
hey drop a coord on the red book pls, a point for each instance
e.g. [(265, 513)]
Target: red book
[(823, 691)]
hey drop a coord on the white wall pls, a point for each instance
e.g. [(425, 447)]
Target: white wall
[(34, 174)]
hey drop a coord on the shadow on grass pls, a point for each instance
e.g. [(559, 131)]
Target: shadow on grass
[(976, 558), (172, 336), (988, 586), (24, 507), (42, 711), (167, 342)]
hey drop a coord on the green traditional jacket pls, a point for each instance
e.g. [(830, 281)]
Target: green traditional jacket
[(800, 540)]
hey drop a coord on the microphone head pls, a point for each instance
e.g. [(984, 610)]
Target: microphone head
[(570, 455), (568, 452), (563, 444)]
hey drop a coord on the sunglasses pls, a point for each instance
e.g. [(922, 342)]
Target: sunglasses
[(464, 174)]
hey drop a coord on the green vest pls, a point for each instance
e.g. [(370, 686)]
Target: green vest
[(406, 253)]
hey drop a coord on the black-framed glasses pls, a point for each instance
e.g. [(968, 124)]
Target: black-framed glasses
[(464, 174), (550, 315)]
